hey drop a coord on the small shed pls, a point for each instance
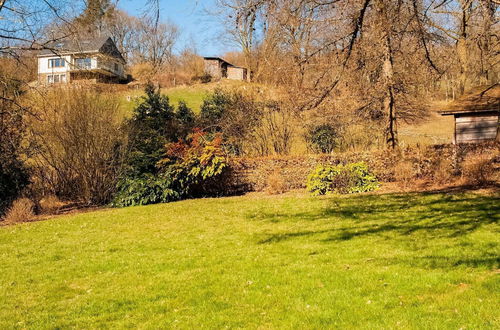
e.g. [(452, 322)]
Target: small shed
[(218, 68), (476, 115), (236, 73)]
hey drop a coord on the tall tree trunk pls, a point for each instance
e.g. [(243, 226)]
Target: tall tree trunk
[(463, 45), (488, 9), (389, 102)]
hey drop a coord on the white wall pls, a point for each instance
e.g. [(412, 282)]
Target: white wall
[(110, 66), (43, 65)]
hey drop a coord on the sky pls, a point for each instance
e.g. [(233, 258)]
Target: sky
[(191, 16)]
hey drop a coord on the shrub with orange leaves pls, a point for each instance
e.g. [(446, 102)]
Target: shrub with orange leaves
[(196, 163)]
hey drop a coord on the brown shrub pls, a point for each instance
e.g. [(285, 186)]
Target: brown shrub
[(477, 169), (20, 211), (50, 204), (404, 173), (79, 144), (275, 184), (443, 171)]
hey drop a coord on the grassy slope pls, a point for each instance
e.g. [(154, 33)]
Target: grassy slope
[(371, 261), (433, 130), (192, 95), (436, 129)]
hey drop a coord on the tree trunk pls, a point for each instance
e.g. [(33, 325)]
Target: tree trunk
[(463, 45), (488, 9), (389, 102)]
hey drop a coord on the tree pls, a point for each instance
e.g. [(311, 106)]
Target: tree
[(95, 16), (78, 144), (246, 17), (14, 175), (151, 127), (316, 45), (154, 43)]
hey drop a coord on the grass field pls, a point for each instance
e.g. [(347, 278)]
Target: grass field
[(368, 261), (435, 129), (192, 95)]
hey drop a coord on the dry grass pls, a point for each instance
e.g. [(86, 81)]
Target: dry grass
[(478, 170), (404, 173), (20, 211), (276, 184), (443, 171), (436, 129), (51, 204)]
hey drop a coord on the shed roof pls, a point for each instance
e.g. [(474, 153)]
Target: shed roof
[(215, 58), (480, 99)]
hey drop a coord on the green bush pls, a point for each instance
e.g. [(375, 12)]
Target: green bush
[(148, 189), (322, 138), (215, 108), (193, 168), (343, 179), (153, 124)]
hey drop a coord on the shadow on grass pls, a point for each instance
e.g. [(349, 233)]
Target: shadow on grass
[(423, 215), (486, 261)]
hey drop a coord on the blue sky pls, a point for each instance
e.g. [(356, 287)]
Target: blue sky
[(192, 18)]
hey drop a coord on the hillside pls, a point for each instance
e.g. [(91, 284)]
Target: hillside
[(193, 95), (435, 129)]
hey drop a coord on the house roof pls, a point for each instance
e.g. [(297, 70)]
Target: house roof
[(480, 99), (75, 46)]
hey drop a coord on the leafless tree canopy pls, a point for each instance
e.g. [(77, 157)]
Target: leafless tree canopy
[(367, 55)]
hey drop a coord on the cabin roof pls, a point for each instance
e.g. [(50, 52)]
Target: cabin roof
[(480, 99)]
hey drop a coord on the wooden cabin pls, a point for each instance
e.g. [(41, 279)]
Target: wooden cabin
[(218, 68), (476, 115)]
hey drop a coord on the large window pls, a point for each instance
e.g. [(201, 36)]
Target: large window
[(56, 78), (84, 63), (56, 63)]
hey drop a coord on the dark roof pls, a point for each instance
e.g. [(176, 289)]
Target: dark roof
[(70, 46), (480, 99), (215, 58)]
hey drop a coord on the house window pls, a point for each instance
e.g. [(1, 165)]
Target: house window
[(84, 63), (56, 78), (116, 67), (56, 63)]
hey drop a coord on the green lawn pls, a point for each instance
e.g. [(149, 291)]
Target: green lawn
[(192, 96), (369, 261)]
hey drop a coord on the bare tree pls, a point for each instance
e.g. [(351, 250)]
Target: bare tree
[(154, 44), (319, 44), (247, 20)]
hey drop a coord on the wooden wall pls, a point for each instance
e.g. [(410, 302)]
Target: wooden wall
[(236, 73), (213, 67), (477, 127)]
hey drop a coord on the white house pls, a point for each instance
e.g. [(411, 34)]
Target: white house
[(96, 60)]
